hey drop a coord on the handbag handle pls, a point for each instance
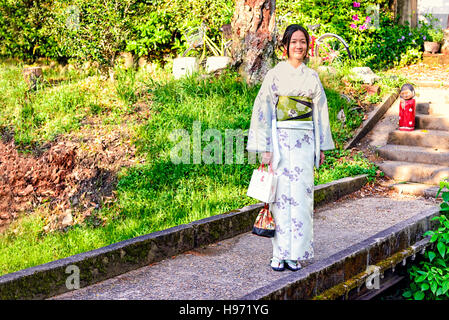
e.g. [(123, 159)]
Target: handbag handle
[(270, 168)]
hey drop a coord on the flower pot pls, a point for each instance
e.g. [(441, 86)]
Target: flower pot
[(432, 47), (184, 66), (217, 63)]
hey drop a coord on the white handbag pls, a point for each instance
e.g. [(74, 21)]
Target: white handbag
[(263, 185)]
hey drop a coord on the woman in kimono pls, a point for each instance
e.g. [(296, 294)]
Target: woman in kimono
[(290, 129)]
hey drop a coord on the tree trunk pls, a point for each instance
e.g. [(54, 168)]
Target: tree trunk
[(32, 75), (253, 38)]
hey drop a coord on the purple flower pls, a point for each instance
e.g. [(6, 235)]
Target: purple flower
[(279, 230), (260, 115), (298, 169), (297, 224), (306, 138), (283, 253), (355, 17), (424, 37), (306, 255), (356, 4)]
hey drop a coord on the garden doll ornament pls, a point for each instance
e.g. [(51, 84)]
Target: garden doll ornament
[(407, 108), (290, 128)]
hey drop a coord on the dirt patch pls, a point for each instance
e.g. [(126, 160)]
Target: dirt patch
[(26, 181), (74, 175), (423, 72)]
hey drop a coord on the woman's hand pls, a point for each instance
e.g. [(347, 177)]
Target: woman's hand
[(266, 157), (321, 157)]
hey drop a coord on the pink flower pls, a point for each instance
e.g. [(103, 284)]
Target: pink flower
[(355, 17), (362, 27), (356, 4), (368, 19), (353, 26)]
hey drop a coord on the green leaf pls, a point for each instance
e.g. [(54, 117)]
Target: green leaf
[(445, 196), (431, 255), (425, 286), (421, 278), (445, 286), (441, 248), (407, 294), (441, 262), (428, 233), (444, 206), (434, 237), (419, 295), (433, 287), (421, 272)]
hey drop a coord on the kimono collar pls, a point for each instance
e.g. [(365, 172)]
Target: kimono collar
[(290, 68)]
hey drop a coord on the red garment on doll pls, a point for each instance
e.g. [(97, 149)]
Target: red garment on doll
[(407, 115)]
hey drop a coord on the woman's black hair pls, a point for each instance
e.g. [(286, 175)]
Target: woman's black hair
[(288, 35)]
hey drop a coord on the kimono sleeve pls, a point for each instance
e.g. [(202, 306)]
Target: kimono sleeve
[(259, 134), (320, 102)]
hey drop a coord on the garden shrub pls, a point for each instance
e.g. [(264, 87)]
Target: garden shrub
[(94, 30), (97, 30), (430, 279), (161, 26), (376, 40), (152, 35), (22, 30)]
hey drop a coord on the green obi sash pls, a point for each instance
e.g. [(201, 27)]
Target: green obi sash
[(294, 108)]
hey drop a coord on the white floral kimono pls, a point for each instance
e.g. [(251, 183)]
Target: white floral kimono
[(295, 152)]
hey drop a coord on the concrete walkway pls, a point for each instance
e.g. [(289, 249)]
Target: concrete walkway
[(235, 267)]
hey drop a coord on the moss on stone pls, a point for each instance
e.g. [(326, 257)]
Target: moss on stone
[(344, 288)]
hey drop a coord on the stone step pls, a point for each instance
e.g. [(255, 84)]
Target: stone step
[(433, 108), (417, 189), (414, 172), (435, 59), (431, 122), (422, 138), (415, 154)]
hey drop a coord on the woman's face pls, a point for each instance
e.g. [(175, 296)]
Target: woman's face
[(298, 46)]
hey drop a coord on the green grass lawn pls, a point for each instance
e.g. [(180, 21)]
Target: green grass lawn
[(156, 194)]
